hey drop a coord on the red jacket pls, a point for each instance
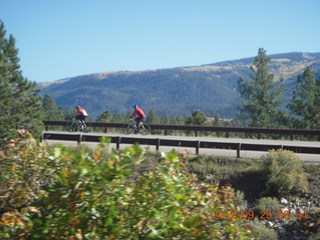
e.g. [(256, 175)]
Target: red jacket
[(81, 111), (138, 112)]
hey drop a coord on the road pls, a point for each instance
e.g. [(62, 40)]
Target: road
[(218, 152)]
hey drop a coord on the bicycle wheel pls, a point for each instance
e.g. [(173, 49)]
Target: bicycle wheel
[(130, 129), (71, 127), (144, 129)]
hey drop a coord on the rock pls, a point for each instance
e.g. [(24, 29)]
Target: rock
[(293, 212), (269, 224), (281, 231), (284, 201), (292, 205)]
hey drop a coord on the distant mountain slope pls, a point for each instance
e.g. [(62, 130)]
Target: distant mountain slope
[(211, 88)]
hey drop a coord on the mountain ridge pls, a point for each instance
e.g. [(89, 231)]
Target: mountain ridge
[(211, 88)]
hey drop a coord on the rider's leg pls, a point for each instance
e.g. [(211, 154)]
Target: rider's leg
[(84, 123), (83, 118), (138, 121)]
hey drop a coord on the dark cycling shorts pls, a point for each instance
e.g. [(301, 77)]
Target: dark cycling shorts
[(81, 117), (139, 119)]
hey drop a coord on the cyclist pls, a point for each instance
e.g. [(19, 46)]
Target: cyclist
[(138, 115), (81, 115)]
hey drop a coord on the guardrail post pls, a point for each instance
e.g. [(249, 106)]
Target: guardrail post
[(227, 134), (197, 147), (238, 150), (158, 144), (79, 139), (118, 143), (165, 132), (196, 133), (105, 130)]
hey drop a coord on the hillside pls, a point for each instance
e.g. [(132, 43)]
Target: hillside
[(211, 88)]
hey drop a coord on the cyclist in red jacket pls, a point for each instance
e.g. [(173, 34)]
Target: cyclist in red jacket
[(138, 115), (81, 115)]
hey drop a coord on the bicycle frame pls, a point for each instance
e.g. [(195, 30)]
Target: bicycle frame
[(132, 127), (75, 125)]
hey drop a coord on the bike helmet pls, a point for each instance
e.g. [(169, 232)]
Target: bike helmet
[(78, 107), (134, 106)]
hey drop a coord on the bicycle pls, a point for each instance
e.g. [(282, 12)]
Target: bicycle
[(77, 125), (132, 127)]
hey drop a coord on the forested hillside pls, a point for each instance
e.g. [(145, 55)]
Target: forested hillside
[(211, 88)]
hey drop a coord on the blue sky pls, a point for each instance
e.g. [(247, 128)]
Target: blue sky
[(66, 38)]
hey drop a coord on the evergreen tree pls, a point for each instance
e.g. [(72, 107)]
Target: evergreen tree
[(117, 117), (152, 117), (217, 121), (51, 110), (104, 117), (197, 118), (121, 118), (305, 102), (165, 119), (262, 96), (69, 114), (20, 103)]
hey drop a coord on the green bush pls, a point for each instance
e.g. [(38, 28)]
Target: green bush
[(264, 233), (312, 170), (61, 193), (268, 204), (213, 169), (240, 200), (284, 175)]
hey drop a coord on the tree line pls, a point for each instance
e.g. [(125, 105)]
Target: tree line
[(23, 107), (261, 106), (262, 98)]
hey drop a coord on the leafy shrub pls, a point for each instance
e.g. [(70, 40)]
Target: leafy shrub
[(268, 204), (240, 200), (87, 195), (264, 233), (213, 169), (26, 168), (312, 170), (284, 175)]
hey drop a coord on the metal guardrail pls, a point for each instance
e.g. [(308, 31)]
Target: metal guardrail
[(196, 129), (78, 137)]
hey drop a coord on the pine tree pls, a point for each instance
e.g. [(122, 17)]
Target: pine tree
[(197, 118), (153, 117), (305, 102), (262, 96), (51, 110), (165, 119), (217, 121), (104, 117), (69, 114), (20, 103)]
